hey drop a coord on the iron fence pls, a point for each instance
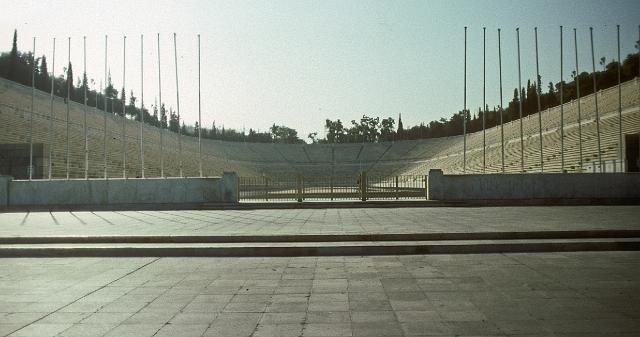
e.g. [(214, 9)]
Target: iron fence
[(359, 187)]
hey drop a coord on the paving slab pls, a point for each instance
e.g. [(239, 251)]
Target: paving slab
[(515, 294), (365, 221)]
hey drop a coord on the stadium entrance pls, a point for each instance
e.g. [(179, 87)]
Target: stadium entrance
[(632, 152), (307, 188)]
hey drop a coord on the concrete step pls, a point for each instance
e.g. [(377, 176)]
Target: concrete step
[(358, 248), (339, 237)]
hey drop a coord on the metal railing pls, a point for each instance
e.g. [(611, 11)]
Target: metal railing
[(360, 187)]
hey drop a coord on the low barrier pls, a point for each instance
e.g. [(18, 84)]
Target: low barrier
[(551, 186), (104, 192)]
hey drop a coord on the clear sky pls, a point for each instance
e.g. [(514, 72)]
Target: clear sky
[(299, 62)]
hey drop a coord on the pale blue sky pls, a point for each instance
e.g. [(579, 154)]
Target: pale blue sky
[(299, 62)]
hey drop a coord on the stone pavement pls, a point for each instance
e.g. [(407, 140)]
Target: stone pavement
[(319, 221), (559, 294)]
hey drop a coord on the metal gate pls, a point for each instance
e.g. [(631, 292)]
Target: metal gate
[(362, 187)]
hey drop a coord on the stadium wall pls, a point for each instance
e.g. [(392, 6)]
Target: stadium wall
[(101, 192), (549, 186)]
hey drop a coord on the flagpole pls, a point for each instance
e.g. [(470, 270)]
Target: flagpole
[(484, 99), (562, 104), (538, 93), (161, 126), (595, 97), (84, 103), (33, 89), (620, 102), (520, 98), (124, 107), (464, 110), (104, 145), (500, 110), (575, 43), (199, 113), (68, 103), (142, 104), (175, 54), (53, 70)]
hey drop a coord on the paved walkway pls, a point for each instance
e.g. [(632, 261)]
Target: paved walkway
[(568, 294), (320, 221)]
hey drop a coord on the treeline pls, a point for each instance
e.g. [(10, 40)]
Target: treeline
[(18, 66), (370, 129)]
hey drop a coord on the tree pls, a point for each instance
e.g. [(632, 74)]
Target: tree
[(173, 121), (387, 129), (400, 127), (42, 79), (284, 134), (335, 131), (163, 116), (68, 88), (13, 58), (131, 110)]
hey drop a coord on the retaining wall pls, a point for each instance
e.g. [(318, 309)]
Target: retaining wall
[(613, 186), (118, 191)]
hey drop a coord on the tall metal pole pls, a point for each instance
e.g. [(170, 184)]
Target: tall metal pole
[(595, 97), (620, 104), (175, 55), (68, 103), (464, 110), (484, 99), (104, 145), (538, 93), (161, 126), (561, 104), (142, 103), (520, 98), (124, 108), (199, 112), (500, 110), (33, 92), (53, 70), (84, 103), (575, 44)]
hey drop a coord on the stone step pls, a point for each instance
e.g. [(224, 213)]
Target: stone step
[(285, 249), (301, 238)]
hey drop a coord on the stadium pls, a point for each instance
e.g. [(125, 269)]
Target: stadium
[(526, 226)]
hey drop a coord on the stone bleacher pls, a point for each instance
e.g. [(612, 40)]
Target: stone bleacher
[(411, 157)]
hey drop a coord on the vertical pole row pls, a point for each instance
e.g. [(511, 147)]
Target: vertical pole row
[(199, 113), (538, 93), (575, 44), (104, 145), (500, 109), (175, 56), (33, 89), (68, 103), (124, 108), (620, 156), (484, 99), (562, 104), (595, 97), (520, 98), (53, 70), (464, 109), (142, 104), (160, 110), (84, 106)]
